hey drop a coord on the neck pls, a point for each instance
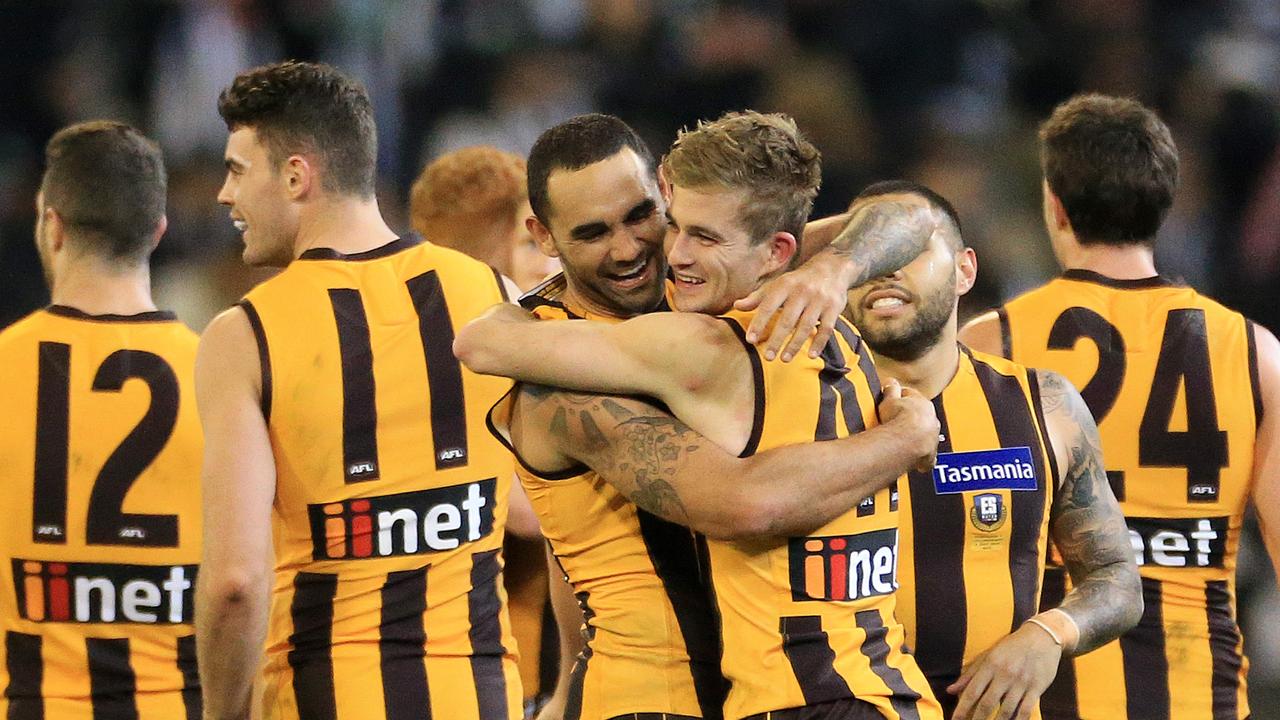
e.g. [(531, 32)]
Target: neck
[(98, 288), (930, 373), (346, 224), (1119, 262)]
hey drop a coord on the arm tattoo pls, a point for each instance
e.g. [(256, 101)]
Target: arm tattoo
[(1087, 525), (884, 236)]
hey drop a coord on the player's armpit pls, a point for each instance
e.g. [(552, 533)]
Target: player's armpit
[(1086, 524), (1266, 459)]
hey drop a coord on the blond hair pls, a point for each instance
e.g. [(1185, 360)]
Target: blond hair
[(763, 154)]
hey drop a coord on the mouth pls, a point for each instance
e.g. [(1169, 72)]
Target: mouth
[(886, 301), (684, 281), (240, 225), (634, 277)]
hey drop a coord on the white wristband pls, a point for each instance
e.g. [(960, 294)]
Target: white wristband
[(1040, 624)]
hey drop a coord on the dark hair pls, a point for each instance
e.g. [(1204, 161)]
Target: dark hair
[(1114, 166), (297, 107), (908, 187), (574, 144), (107, 182)]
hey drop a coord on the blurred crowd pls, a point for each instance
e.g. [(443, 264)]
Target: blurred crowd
[(945, 92)]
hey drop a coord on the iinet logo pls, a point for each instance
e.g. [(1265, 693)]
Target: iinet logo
[(844, 567), (104, 592), (411, 523)]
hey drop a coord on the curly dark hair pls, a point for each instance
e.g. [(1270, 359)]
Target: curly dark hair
[(574, 144)]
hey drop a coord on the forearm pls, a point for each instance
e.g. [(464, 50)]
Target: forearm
[(818, 234), (1104, 604), (230, 628), (878, 240)]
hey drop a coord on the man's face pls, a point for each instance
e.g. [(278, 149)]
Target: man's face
[(712, 258), (606, 227), (255, 191), (902, 316)]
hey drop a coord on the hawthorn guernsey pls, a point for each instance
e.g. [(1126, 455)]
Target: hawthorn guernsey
[(1005, 468)]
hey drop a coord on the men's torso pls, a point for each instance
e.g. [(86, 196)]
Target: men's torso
[(974, 529), (391, 497), (1170, 376), (101, 447)]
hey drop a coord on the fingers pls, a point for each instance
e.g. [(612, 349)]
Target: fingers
[(766, 304), (971, 696), (892, 389), (784, 327), (826, 326), (751, 301)]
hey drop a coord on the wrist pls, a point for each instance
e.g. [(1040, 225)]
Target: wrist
[(1059, 626), (837, 264)]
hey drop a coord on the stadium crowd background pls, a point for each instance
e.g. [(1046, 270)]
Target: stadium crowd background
[(945, 92)]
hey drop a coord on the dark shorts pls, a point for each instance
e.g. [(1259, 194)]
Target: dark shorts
[(842, 709)]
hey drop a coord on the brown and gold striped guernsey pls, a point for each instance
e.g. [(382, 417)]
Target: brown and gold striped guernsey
[(808, 620), (391, 497), (100, 447), (651, 646), (1171, 377), (974, 529)]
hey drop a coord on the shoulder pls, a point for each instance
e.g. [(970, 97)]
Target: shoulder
[(227, 335), (986, 332), (21, 330)]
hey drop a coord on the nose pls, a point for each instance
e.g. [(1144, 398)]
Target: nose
[(225, 193), (678, 249), (626, 247)]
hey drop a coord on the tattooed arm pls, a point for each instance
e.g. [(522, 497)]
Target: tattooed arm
[(664, 467), (882, 236)]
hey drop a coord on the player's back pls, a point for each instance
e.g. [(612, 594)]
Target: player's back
[(1171, 378), (100, 445), (391, 496)]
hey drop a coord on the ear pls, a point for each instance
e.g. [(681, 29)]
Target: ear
[(966, 270), (782, 247), (541, 235), (664, 185), (1056, 209), (161, 227), (55, 230), (299, 177)]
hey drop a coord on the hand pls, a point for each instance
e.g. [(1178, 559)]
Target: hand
[(796, 302), (1008, 678), (908, 409)]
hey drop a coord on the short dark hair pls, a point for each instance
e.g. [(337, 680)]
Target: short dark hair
[(107, 182), (1113, 164), (299, 107), (574, 144), (908, 187)]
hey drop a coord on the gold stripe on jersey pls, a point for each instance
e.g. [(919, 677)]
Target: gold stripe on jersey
[(651, 642), (808, 620), (391, 497), (974, 528), (1170, 376), (101, 447)]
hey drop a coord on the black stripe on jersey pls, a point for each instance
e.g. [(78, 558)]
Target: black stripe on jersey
[(833, 383), (1042, 431), (673, 550), (112, 682), (78, 314), (444, 373), (1006, 333), (512, 396), (53, 407), (813, 662), (1155, 281), (1015, 427), (359, 404), (876, 649), (264, 358), (26, 673), (312, 641), (502, 286), (1251, 331), (573, 701), (1146, 667), (757, 377), (865, 363), (381, 251), (484, 610), (1060, 696), (402, 641), (1224, 646), (190, 677), (938, 524)]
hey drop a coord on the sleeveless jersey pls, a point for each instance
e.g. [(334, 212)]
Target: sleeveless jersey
[(974, 529), (1171, 378), (806, 620), (651, 643), (100, 447), (391, 497)]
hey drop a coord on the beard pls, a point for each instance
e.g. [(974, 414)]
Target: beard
[(909, 340)]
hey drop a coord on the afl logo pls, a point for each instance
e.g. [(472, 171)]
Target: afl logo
[(988, 512)]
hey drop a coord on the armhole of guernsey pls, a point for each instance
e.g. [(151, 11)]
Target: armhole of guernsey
[(1006, 334), (1250, 331), (264, 358), (757, 377), (502, 286), (507, 400)]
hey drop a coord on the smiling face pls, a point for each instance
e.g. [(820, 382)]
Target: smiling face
[(606, 226), (257, 194)]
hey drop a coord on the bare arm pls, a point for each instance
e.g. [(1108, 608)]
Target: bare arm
[(239, 486), (569, 626), (820, 233), (667, 468), (880, 238), (983, 334), (1266, 462)]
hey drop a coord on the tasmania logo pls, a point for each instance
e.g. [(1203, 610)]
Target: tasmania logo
[(1003, 468), (844, 567), (412, 523), (104, 592)]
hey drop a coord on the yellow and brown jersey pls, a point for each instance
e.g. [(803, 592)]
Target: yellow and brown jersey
[(1171, 378), (806, 620), (974, 528), (651, 641), (100, 447), (391, 496)]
